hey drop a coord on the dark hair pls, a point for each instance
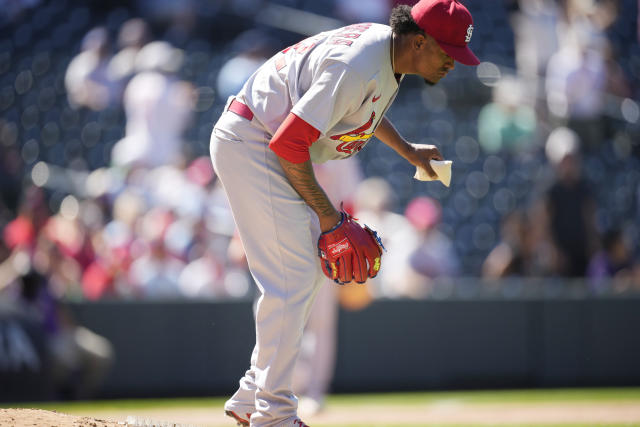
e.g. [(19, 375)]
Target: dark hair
[(401, 21)]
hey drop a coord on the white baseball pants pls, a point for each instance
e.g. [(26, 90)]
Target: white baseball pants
[(279, 233)]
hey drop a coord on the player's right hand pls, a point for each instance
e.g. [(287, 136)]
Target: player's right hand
[(422, 154)]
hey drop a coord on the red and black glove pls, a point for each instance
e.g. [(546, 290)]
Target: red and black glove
[(350, 251)]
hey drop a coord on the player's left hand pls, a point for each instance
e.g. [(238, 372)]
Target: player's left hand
[(350, 251), (422, 154)]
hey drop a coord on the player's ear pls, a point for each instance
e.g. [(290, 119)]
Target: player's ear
[(418, 41)]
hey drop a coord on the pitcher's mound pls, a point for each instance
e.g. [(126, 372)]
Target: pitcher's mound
[(39, 417)]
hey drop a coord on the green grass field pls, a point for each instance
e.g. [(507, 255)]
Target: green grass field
[(561, 407)]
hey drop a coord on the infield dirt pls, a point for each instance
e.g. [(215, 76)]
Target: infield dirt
[(441, 413)]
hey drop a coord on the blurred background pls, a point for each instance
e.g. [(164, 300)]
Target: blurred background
[(120, 271)]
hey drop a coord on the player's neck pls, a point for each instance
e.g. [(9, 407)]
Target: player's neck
[(393, 59), (400, 61), (393, 56)]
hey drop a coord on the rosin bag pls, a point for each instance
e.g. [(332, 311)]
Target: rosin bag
[(441, 167)]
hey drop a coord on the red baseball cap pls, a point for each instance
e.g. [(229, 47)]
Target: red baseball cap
[(450, 24)]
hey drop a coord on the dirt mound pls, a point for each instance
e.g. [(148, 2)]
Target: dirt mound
[(39, 417)]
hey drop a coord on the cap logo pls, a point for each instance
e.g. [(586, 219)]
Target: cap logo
[(469, 32)]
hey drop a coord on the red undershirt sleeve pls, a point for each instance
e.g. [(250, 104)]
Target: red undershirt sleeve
[(293, 139)]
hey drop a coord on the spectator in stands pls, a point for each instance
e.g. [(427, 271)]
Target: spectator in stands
[(509, 257), (64, 249), (63, 272), (114, 246), (594, 17), (155, 271), (535, 27), (617, 84), (134, 34), (577, 72), (54, 245), (434, 257), (203, 276), (21, 233), (373, 206), (80, 358), (523, 251), (69, 233), (614, 260), (568, 206), (249, 51), (507, 123), (216, 266), (159, 107), (87, 79), (97, 278)]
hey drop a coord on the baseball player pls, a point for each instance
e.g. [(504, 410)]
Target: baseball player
[(321, 99)]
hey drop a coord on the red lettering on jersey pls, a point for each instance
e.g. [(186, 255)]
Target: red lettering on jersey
[(281, 63), (350, 147), (354, 140), (349, 35), (341, 42), (302, 46), (360, 27), (349, 32)]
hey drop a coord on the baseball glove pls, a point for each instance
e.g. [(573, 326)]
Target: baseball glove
[(350, 251)]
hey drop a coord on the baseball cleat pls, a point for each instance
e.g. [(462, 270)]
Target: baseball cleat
[(241, 421)]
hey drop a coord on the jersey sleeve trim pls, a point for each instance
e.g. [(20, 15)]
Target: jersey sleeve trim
[(293, 139)]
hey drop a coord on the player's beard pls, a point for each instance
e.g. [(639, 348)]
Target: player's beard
[(430, 83)]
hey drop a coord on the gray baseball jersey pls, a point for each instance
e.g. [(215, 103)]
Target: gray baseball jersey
[(340, 82)]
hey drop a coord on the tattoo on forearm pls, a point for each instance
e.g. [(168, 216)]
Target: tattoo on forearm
[(303, 180)]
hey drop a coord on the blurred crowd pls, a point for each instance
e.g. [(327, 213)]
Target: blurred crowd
[(108, 190)]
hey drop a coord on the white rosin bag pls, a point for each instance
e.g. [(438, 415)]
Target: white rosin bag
[(441, 167)]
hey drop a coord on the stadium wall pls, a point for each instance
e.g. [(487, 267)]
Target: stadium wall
[(202, 348)]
